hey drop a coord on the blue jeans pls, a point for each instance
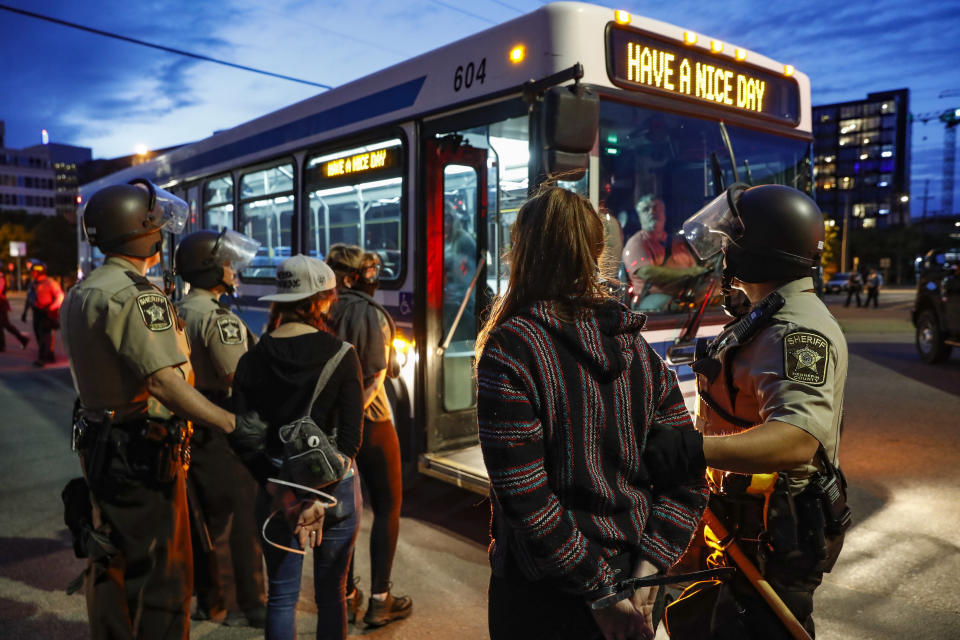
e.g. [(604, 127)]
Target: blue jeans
[(330, 563)]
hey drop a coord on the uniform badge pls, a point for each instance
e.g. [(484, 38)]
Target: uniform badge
[(231, 332), (154, 311), (806, 356)]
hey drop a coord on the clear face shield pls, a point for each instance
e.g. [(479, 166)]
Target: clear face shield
[(707, 230), (173, 211), (236, 248)]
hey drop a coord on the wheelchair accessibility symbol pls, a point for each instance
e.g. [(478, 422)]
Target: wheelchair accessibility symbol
[(406, 304)]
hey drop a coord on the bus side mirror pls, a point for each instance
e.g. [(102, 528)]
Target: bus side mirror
[(569, 125)]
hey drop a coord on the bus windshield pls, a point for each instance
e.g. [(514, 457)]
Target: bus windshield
[(656, 169)]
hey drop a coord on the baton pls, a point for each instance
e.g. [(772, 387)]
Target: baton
[(794, 628)]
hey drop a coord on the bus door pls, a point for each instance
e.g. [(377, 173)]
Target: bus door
[(456, 292)]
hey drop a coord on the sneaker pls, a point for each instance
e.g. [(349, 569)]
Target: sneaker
[(353, 604), (381, 612)]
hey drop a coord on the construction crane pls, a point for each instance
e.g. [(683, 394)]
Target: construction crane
[(950, 118)]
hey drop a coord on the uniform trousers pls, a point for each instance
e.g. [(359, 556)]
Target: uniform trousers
[(144, 591), (43, 330), (794, 577), (230, 578)]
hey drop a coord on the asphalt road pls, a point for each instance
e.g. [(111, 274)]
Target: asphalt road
[(895, 578)]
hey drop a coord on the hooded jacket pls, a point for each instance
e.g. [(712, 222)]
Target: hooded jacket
[(277, 377), (563, 411)]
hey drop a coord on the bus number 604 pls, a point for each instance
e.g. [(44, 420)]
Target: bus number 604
[(465, 76)]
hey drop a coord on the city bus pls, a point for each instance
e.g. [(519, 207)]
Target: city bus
[(427, 162)]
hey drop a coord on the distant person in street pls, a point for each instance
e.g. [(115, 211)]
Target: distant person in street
[(363, 322), (874, 282), (229, 577), (568, 389), (5, 324), (854, 287), (44, 297)]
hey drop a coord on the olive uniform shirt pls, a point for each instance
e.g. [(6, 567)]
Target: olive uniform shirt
[(217, 339), (118, 329), (793, 370)]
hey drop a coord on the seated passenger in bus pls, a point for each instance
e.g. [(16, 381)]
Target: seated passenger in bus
[(567, 389), (658, 263)]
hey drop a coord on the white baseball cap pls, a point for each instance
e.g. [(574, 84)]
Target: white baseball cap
[(300, 277)]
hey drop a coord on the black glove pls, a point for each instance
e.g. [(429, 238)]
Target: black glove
[(249, 438), (673, 455)]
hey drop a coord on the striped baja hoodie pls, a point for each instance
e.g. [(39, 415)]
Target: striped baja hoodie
[(563, 412)]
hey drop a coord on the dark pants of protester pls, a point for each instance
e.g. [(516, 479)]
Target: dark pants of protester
[(518, 609), (851, 293), (144, 592), (872, 293), (330, 562), (43, 330), (230, 578), (379, 463), (6, 325)]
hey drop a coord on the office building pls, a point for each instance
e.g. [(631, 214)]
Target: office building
[(862, 160), (41, 179)]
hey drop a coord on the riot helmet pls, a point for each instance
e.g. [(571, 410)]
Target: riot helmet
[(127, 218), (767, 233), (202, 255)]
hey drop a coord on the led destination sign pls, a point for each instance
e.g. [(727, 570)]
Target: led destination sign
[(360, 163), (376, 164), (636, 60)]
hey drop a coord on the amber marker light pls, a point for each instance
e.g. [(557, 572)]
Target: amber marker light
[(788, 70), (689, 37), (518, 53), (621, 16), (716, 46), (741, 54)]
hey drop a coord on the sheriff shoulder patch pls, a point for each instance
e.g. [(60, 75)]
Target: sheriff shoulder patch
[(805, 357), (231, 332), (154, 311)]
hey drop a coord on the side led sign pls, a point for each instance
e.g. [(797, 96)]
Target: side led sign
[(641, 61), (370, 161)]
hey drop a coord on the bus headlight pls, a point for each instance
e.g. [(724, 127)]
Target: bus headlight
[(403, 349)]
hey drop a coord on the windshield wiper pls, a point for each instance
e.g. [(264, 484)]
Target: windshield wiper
[(726, 143)]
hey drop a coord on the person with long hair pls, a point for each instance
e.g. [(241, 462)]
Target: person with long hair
[(277, 378), (567, 391), (364, 323)]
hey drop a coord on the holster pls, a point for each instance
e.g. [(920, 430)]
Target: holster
[(144, 449)]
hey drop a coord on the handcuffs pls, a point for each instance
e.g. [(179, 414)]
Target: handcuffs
[(612, 594)]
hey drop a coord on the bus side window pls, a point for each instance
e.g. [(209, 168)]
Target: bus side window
[(266, 215), (355, 196)]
